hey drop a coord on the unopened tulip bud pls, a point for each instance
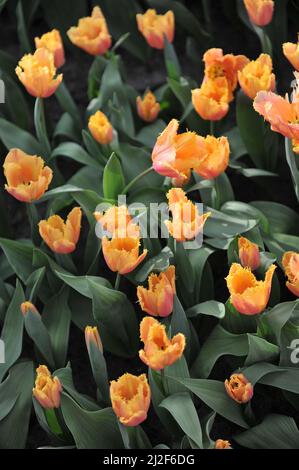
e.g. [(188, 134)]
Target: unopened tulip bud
[(47, 389), (249, 254), (28, 307), (92, 336)]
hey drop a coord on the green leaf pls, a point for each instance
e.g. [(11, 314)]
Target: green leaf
[(14, 99), (113, 178), (281, 219), (75, 152), (68, 104), (40, 336), (66, 379), (13, 136), (22, 28), (171, 61), (158, 263), (12, 331), (91, 429), (182, 408), (148, 134), (99, 371), (211, 308), (275, 432), (19, 256), (236, 322), (81, 283), (291, 161), (180, 324), (66, 128), (260, 350), (275, 319)]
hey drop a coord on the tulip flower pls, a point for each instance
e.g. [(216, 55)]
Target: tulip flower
[(91, 34), (92, 336), (248, 295), (220, 444), (214, 156), (157, 300), (148, 108), (118, 222), (291, 52), (28, 307), (257, 76), (27, 176), (154, 27), (219, 65), (290, 262), (37, 72), (100, 128), (239, 388), (47, 390), (122, 254), (159, 351), (175, 154), (53, 43), (130, 398), (186, 222), (280, 113), (211, 100), (249, 254), (260, 11), (62, 237)]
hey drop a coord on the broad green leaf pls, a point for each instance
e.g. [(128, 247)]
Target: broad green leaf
[(13, 136), (291, 161), (40, 336), (19, 256), (113, 178), (75, 152), (211, 308), (180, 324), (66, 379)]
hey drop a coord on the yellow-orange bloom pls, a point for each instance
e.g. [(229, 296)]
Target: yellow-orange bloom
[(47, 390), (186, 222), (157, 300), (118, 222), (53, 43), (211, 100), (159, 351), (214, 156), (122, 254), (91, 34), (27, 176), (291, 52), (154, 27), (37, 73), (28, 307), (148, 108), (257, 76), (248, 295), (280, 113), (92, 336), (62, 237), (220, 444), (290, 262), (249, 254), (130, 398), (219, 65), (100, 128), (239, 388), (260, 11)]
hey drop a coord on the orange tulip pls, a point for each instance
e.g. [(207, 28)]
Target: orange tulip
[(257, 76), (211, 100), (260, 11), (291, 52), (290, 262), (248, 295), (174, 154), (159, 351), (280, 113), (218, 65), (157, 300), (249, 254), (186, 222), (148, 108), (118, 222), (214, 156), (92, 336), (122, 254), (220, 444), (47, 390), (37, 73), (62, 237), (27, 176), (239, 388), (91, 34), (53, 43), (100, 128), (130, 398), (28, 307), (154, 27)]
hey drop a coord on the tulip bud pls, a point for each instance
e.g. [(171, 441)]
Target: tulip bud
[(100, 128), (291, 52), (53, 43), (239, 388), (47, 390), (249, 254), (220, 444), (290, 262), (148, 108), (92, 336), (260, 11), (28, 307)]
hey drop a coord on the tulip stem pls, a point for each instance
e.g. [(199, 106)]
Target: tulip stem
[(117, 281), (212, 127), (41, 128), (136, 179), (53, 422)]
